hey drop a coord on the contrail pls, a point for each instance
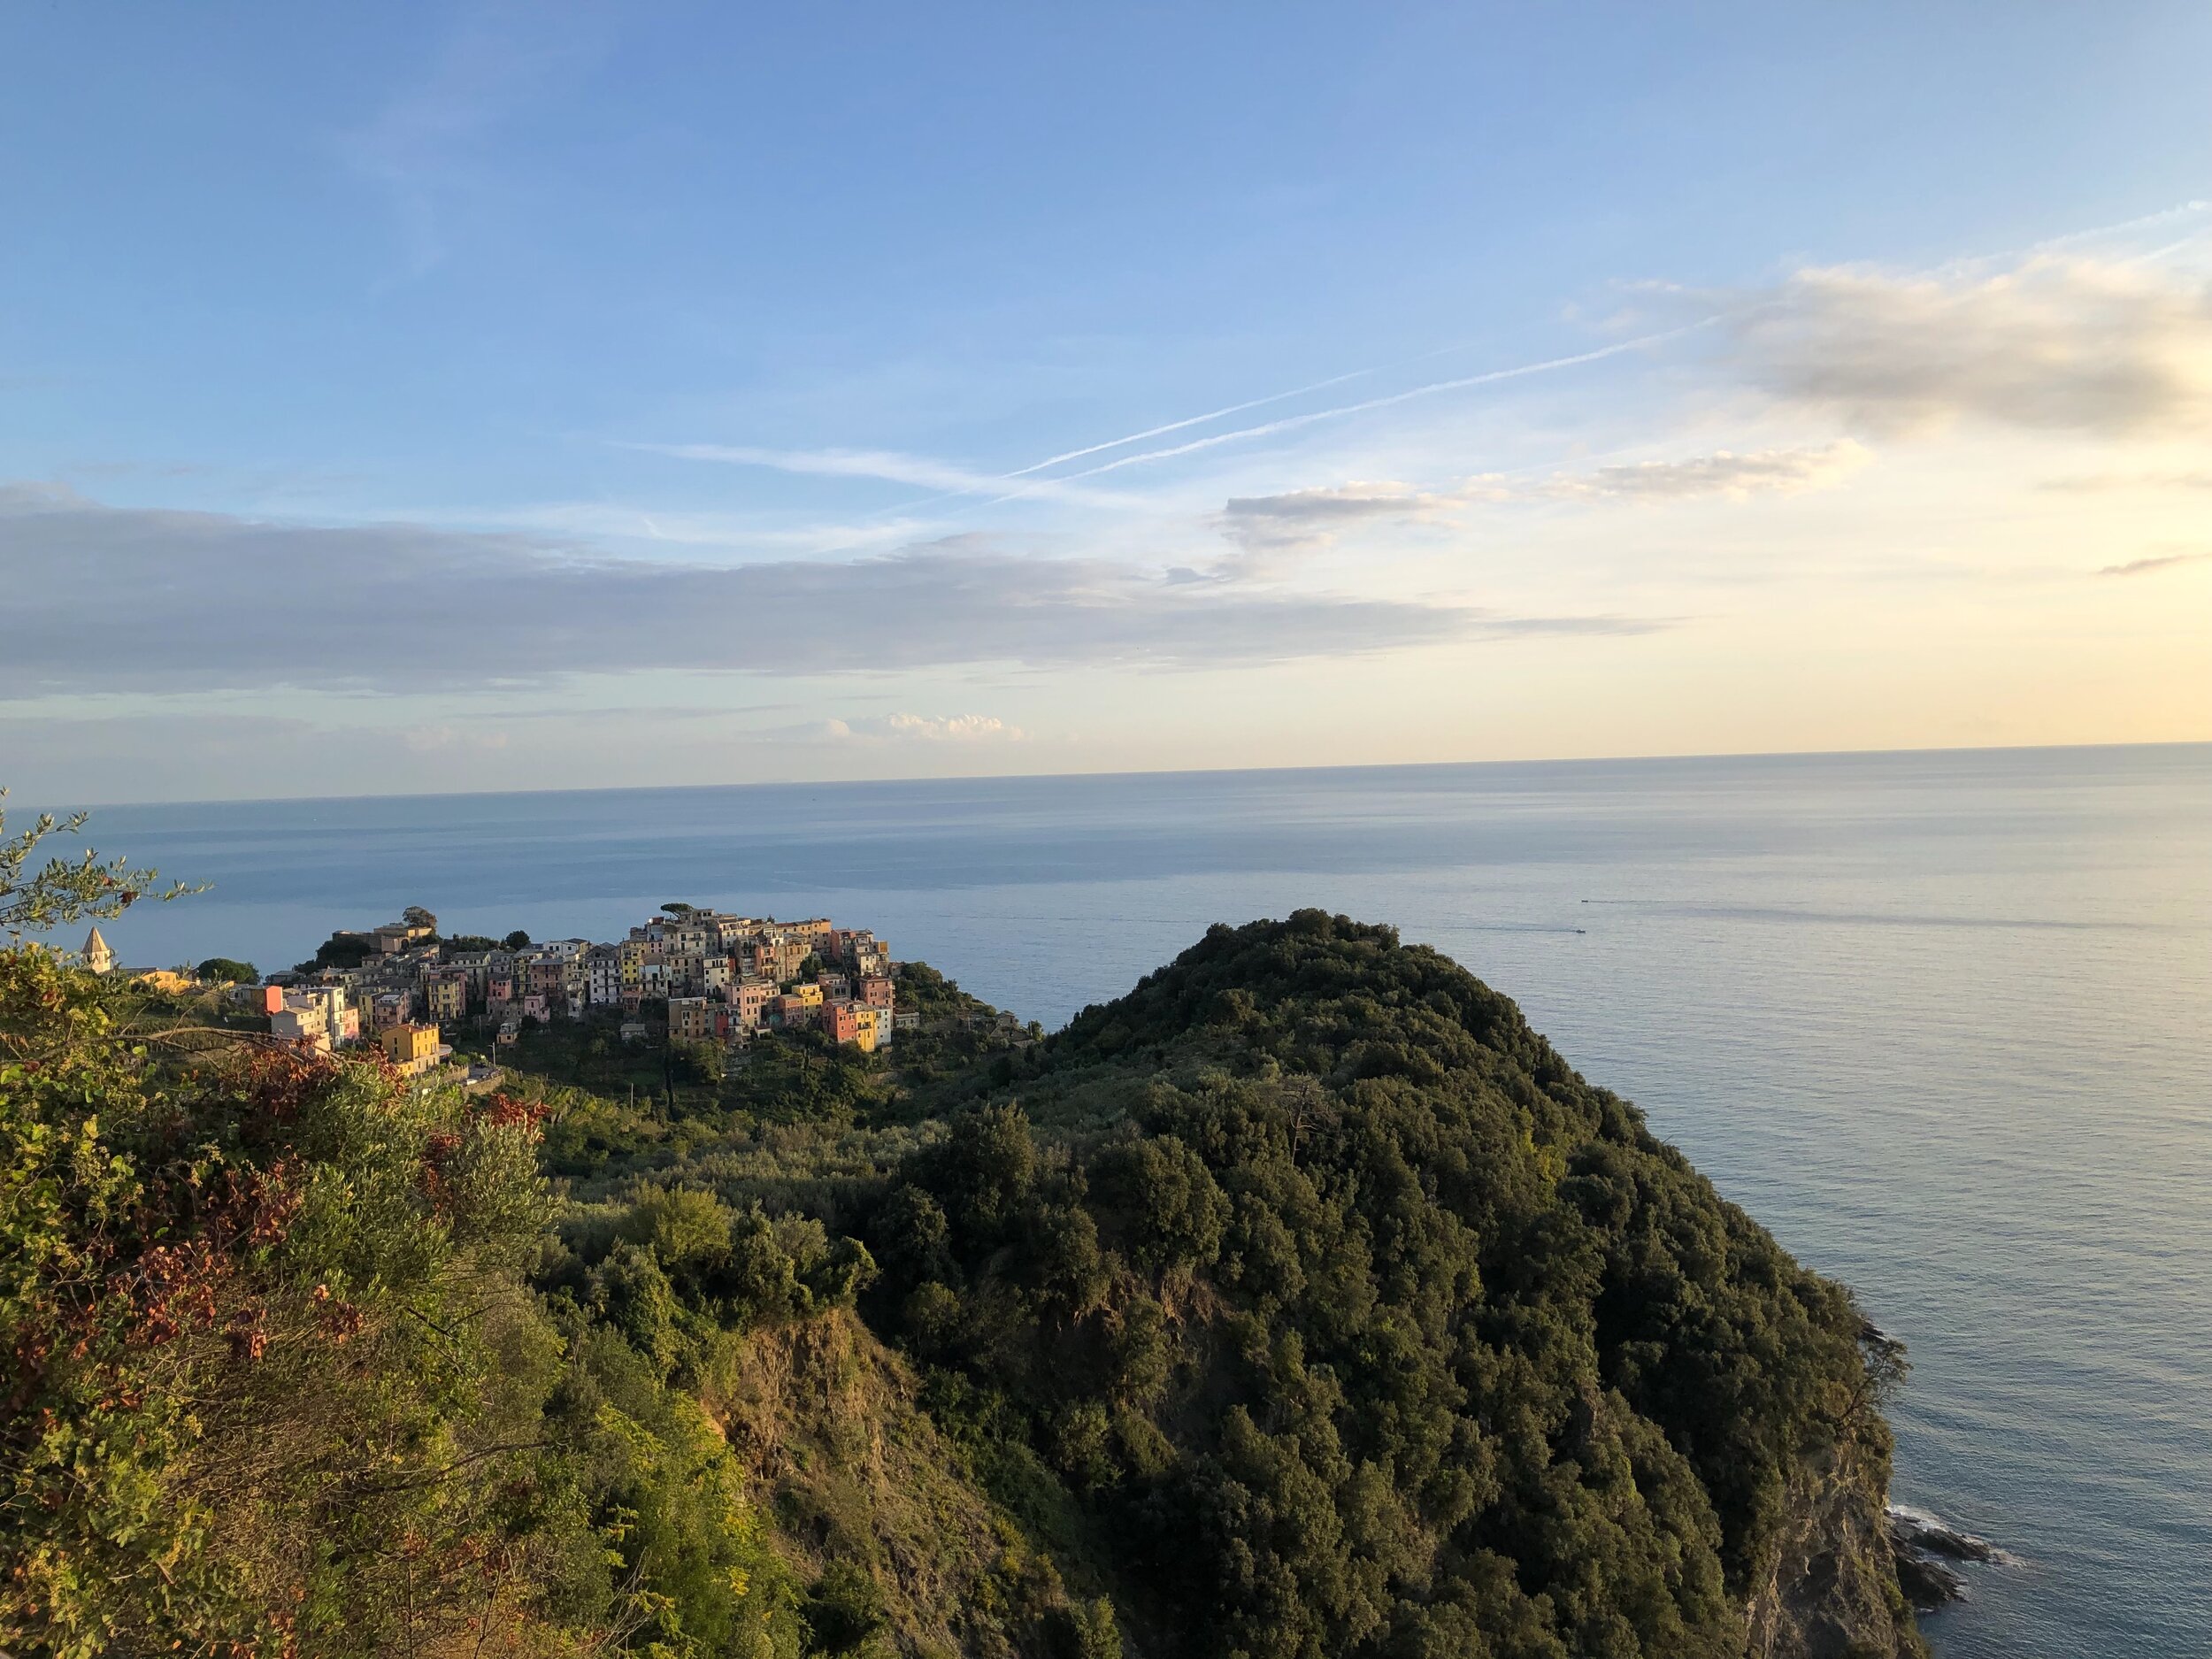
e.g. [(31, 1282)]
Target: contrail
[(950, 481), (2191, 208), (1193, 421), (1489, 377), (2180, 211), (1134, 437), (1187, 421), (2164, 216)]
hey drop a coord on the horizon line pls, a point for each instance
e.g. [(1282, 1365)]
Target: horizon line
[(1133, 772)]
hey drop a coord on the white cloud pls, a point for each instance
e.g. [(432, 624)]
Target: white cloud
[(1313, 518), (101, 598), (1308, 516), (889, 466), (2098, 482), (918, 728), (2055, 343), (1724, 474), (952, 729), (2157, 562)]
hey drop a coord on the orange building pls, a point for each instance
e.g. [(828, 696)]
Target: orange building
[(855, 1023)]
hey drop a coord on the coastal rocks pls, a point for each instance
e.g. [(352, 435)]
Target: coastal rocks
[(1927, 1583), (1831, 1589), (1924, 1548), (1917, 1528)]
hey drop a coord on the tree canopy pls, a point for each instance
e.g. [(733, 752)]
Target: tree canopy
[(1303, 1302), (1367, 1326)]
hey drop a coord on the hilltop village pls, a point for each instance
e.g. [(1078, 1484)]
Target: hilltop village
[(696, 976)]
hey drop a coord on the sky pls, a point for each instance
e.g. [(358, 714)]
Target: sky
[(446, 397)]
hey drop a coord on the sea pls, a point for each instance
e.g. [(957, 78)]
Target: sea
[(1942, 1021)]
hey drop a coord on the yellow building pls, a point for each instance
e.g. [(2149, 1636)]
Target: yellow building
[(413, 1049), (447, 995), (814, 934), (869, 1027)]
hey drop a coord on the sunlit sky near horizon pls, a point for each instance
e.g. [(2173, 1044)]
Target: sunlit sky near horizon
[(433, 398)]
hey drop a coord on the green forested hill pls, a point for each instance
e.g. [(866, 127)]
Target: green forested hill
[(1363, 1323), (1302, 1303)]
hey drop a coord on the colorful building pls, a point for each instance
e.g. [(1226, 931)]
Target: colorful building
[(789, 1012), (748, 1001), (413, 1049), (317, 1016), (855, 1023), (446, 994)]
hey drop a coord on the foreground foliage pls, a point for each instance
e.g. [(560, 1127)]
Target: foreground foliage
[(1303, 1302), (277, 1383)]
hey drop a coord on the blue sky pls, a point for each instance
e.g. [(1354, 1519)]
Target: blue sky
[(659, 393)]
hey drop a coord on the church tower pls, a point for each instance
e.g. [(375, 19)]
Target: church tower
[(96, 953)]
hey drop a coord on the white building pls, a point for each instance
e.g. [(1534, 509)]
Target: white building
[(602, 975), (316, 1015)]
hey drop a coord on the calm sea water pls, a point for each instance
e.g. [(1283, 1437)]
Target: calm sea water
[(1942, 1021)]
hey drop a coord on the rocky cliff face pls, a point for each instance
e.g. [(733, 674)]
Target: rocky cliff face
[(1831, 1591)]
